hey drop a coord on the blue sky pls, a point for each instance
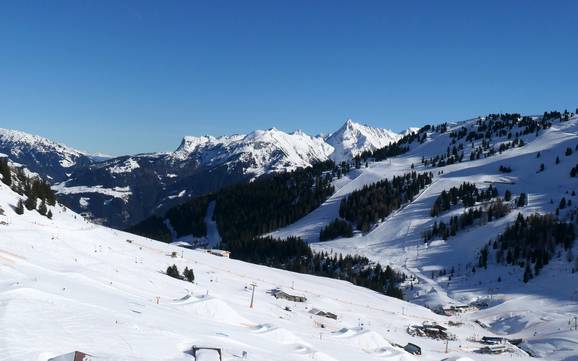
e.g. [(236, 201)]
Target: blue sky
[(132, 76)]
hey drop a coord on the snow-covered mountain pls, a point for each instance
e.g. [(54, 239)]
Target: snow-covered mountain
[(124, 190), (120, 191), (41, 155), (353, 139), (261, 151)]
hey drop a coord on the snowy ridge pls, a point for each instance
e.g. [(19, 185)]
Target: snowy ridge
[(260, 151), (273, 150), (21, 142)]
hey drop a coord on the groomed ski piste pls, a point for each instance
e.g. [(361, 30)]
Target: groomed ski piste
[(542, 312)]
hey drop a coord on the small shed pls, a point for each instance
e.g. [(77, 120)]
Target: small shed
[(320, 313), (412, 349), (73, 356), (490, 340), (219, 252), (286, 296)]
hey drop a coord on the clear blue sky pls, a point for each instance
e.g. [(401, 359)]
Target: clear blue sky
[(123, 76)]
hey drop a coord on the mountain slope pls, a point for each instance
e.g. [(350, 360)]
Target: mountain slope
[(66, 280), (41, 155), (122, 191), (259, 152), (447, 270)]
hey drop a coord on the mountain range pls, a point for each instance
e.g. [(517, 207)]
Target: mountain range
[(123, 190)]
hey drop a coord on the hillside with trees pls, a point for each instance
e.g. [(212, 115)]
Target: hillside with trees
[(295, 255), (373, 202)]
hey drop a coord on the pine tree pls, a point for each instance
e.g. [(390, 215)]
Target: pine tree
[(5, 172), (522, 200), (42, 209), (189, 274), (173, 271), (19, 207), (527, 273), (49, 214), (30, 202)]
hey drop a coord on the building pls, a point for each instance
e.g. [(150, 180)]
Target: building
[(320, 313), (219, 252), (494, 349), (493, 340), (430, 330), (278, 294)]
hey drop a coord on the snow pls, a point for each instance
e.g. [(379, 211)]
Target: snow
[(67, 284), (21, 142), (273, 150), (541, 311), (126, 167), (117, 192), (353, 139), (84, 201)]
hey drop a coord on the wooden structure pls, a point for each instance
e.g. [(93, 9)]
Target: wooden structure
[(278, 294), (219, 252), (431, 330), (320, 313)]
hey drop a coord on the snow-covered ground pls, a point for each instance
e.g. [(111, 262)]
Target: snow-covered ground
[(67, 284), (542, 311)]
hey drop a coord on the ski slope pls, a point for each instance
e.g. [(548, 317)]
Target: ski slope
[(397, 240), (67, 284)]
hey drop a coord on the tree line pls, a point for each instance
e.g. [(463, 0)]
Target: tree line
[(467, 193), (244, 211), (496, 209), (270, 202), (336, 229), (293, 254), (366, 206), (531, 242)]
